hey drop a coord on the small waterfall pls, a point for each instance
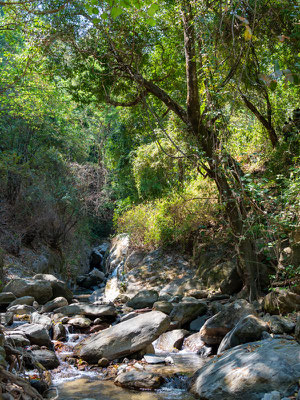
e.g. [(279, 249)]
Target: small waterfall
[(113, 284)]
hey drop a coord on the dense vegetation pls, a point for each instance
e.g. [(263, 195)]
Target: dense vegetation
[(177, 118)]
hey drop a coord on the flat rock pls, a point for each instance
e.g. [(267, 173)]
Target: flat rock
[(139, 380), (249, 371), (154, 359), (124, 338), (93, 310)]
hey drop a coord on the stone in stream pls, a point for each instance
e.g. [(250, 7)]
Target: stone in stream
[(248, 329), (41, 290), (143, 299), (16, 339), (28, 300), (172, 340), (139, 380), (193, 343), (249, 371), (124, 338), (59, 288), (80, 321), (36, 318), (185, 311), (92, 310), (59, 332), (216, 327), (53, 304), (36, 334), (21, 309), (47, 358)]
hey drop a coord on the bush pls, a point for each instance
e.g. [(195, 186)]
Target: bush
[(171, 219)]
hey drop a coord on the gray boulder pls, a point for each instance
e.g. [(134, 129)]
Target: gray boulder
[(93, 310), (279, 324), (171, 341), (16, 339), (249, 371), (21, 309), (41, 290), (27, 300), (47, 358), (36, 334), (216, 327), (53, 304), (124, 338), (59, 332), (59, 287), (40, 319), (184, 312), (248, 329), (139, 380), (193, 343), (143, 299), (80, 322), (6, 298), (281, 302)]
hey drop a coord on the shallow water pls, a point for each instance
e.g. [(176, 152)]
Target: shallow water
[(88, 389)]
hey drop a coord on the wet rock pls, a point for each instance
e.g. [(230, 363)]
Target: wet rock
[(87, 281), (248, 329), (47, 358), (124, 338), (93, 310), (80, 322), (6, 298), (54, 304), (59, 287), (41, 290), (249, 371), (216, 327), (281, 302), (59, 332), (272, 396), (154, 359), (21, 309), (103, 363), (139, 380), (27, 300), (36, 334), (278, 324), (163, 306), (40, 386), (184, 312), (143, 299), (43, 320), (171, 341), (118, 252)]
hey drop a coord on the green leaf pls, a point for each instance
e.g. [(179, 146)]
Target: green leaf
[(151, 21), (115, 12), (104, 15), (152, 9)]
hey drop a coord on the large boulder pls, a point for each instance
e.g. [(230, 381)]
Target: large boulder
[(36, 334), (186, 311), (278, 324), (92, 310), (216, 327), (143, 299), (163, 306), (59, 288), (27, 300), (248, 329), (249, 371), (139, 380), (41, 290), (171, 341), (37, 318), (281, 302), (124, 338)]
